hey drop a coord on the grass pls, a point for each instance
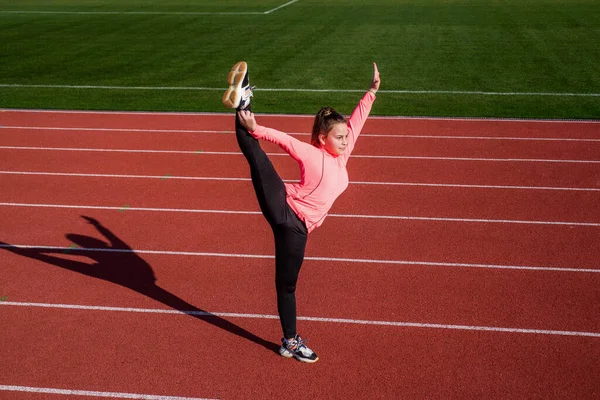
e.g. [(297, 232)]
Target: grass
[(525, 46)]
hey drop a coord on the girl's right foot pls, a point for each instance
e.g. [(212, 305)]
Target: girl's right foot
[(296, 348), (239, 93)]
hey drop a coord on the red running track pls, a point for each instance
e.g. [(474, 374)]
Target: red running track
[(424, 289)]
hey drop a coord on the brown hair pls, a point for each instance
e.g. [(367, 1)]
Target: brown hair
[(325, 119)]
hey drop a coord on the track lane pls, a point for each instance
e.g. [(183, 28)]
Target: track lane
[(171, 193), (303, 123), (366, 145), (360, 169), (545, 300), (433, 241), (438, 241), (430, 361), (134, 353)]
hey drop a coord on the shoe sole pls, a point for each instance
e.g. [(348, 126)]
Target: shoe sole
[(306, 360), (289, 354), (233, 95)]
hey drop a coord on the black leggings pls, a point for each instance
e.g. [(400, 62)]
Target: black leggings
[(289, 231)]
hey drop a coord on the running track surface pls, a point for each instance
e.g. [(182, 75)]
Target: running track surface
[(462, 262)]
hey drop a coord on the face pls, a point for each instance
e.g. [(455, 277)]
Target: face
[(336, 140)]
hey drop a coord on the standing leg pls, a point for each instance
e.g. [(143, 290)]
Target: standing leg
[(290, 244)]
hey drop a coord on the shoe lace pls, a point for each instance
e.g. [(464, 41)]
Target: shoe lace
[(249, 91), (297, 343)]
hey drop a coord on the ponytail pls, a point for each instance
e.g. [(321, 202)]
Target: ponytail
[(325, 119)]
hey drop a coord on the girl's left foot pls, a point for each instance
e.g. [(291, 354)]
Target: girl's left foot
[(239, 92), (296, 348)]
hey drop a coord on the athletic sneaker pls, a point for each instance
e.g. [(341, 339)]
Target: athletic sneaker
[(239, 93), (296, 348)]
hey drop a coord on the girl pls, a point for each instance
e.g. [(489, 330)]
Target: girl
[(294, 210)]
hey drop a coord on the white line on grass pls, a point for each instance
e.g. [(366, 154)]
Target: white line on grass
[(235, 153), (391, 217), (450, 137), (113, 395), (444, 92), (308, 258), (17, 12), (411, 92), (149, 12), (16, 85), (214, 178), (304, 318), (280, 7)]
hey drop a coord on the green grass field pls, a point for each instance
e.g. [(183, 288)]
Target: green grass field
[(514, 58)]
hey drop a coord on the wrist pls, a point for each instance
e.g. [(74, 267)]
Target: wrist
[(372, 91)]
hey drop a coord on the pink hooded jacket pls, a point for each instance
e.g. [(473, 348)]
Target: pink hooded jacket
[(323, 177)]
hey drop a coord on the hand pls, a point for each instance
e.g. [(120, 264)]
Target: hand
[(247, 119), (90, 220), (376, 81)]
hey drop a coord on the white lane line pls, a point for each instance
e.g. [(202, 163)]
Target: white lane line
[(392, 217), (477, 220), (308, 258), (378, 117), (128, 150), (532, 160), (214, 178), (449, 137), (305, 318), (84, 129), (113, 395), (200, 178), (235, 153), (129, 208), (296, 90), (445, 137), (456, 185)]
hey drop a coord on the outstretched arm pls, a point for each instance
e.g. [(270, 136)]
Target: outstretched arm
[(376, 81), (115, 242), (294, 147), (361, 112)]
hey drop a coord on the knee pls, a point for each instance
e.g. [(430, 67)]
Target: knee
[(286, 286), (286, 230)]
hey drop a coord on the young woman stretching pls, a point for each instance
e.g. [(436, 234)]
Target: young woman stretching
[(295, 209)]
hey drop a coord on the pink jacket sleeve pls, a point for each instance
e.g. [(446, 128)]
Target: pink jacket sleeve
[(297, 149), (357, 121)]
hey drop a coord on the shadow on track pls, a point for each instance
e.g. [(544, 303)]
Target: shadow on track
[(116, 262)]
